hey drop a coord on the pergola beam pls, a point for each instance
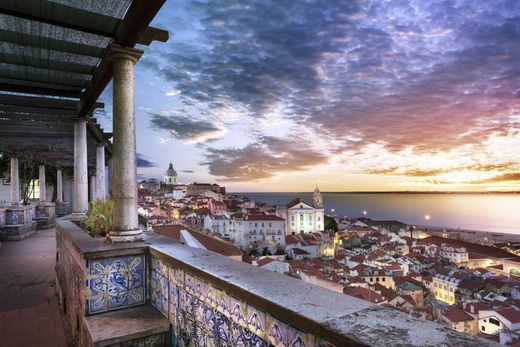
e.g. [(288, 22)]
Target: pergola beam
[(39, 90), (42, 102), (136, 21), (28, 40), (54, 65), (68, 24)]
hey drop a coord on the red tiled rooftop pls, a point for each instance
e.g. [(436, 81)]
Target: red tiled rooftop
[(456, 314), (210, 243)]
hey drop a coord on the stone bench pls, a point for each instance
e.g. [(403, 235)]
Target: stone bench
[(141, 325)]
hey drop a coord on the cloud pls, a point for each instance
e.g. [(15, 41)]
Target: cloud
[(507, 177), (142, 162), (262, 160), (427, 76), (186, 129)]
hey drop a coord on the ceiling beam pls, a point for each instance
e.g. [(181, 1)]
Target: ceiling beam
[(8, 87), (62, 22), (28, 40), (42, 102), (54, 65), (136, 21), (153, 34)]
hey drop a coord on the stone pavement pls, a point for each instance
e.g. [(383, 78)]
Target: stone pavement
[(29, 310)]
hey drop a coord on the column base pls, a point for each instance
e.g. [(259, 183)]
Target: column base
[(78, 216), (62, 208), (126, 236)]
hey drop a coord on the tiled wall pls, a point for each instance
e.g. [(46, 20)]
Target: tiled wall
[(116, 283), (203, 315)]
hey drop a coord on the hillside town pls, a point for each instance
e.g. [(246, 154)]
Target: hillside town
[(473, 288)]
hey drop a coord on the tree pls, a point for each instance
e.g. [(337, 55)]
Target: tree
[(266, 251), (330, 224)]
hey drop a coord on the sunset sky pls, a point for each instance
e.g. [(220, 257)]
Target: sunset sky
[(370, 95)]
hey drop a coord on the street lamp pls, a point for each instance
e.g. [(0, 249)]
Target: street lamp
[(427, 217), (365, 213)]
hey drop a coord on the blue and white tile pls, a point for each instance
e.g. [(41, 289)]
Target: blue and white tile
[(244, 338), (255, 320), (238, 311), (160, 267), (276, 331), (298, 338), (116, 282)]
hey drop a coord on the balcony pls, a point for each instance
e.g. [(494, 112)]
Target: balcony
[(133, 287), (197, 297)]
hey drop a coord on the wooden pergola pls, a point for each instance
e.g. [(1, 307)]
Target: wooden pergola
[(53, 68), (56, 58)]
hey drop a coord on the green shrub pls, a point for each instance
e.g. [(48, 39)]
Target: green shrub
[(99, 217)]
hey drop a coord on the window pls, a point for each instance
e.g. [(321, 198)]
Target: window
[(34, 189), (483, 328), (256, 225), (383, 279), (301, 217), (292, 218), (494, 321), (319, 219), (269, 224), (262, 225)]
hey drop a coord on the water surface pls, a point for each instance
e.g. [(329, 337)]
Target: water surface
[(487, 212)]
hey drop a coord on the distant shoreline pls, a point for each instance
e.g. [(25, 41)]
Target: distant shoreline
[(387, 192)]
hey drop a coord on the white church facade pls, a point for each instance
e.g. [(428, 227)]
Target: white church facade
[(302, 217)]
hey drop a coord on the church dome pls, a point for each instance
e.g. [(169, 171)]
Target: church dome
[(170, 172)]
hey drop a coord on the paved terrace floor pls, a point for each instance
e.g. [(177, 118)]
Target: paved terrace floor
[(29, 311)]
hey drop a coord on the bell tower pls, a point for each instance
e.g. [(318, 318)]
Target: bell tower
[(317, 198)]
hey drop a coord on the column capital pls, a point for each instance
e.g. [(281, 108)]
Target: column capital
[(80, 119), (116, 52)]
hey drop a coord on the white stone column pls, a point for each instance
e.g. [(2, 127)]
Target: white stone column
[(100, 172), (125, 225), (59, 184), (80, 204), (92, 187), (109, 180), (14, 193), (43, 186)]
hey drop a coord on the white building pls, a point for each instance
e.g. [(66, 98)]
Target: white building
[(496, 320), (244, 230), (457, 255), (302, 218), (170, 176)]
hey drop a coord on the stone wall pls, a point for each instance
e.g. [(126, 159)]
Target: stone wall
[(209, 299), (2, 217), (70, 280)]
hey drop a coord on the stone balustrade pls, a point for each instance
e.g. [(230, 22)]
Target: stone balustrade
[(201, 298)]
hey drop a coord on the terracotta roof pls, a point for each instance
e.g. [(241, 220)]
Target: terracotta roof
[(210, 243), (364, 293), (476, 249), (508, 313), (264, 261), (294, 202), (456, 314)]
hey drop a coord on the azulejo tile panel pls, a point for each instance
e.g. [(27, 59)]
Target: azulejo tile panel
[(201, 314), (116, 282)]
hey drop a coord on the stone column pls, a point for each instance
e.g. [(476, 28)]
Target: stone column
[(43, 186), (109, 181), (14, 193), (92, 187), (80, 204), (125, 226), (59, 184), (100, 172)]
